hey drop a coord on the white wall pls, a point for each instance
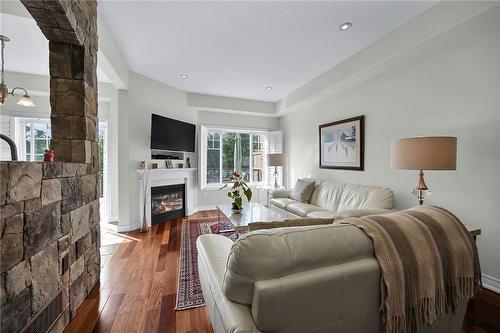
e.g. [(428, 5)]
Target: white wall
[(452, 89)]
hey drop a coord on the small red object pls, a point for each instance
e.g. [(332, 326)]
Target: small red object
[(49, 155)]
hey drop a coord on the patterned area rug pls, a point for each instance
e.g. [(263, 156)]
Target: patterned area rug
[(189, 293)]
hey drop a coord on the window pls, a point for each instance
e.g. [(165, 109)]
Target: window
[(37, 138), (220, 148)]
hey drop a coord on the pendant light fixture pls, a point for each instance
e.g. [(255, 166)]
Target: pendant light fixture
[(25, 99)]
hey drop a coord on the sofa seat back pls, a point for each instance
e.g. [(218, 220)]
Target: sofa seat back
[(326, 195), (365, 197)]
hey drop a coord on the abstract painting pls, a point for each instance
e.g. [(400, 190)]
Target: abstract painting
[(341, 144)]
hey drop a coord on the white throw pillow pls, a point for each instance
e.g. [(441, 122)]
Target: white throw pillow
[(303, 190)]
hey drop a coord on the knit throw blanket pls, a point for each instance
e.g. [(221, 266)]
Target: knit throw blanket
[(428, 260)]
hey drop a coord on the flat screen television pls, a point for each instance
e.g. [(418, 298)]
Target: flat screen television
[(171, 134)]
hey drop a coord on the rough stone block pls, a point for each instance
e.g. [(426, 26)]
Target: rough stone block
[(11, 241), (69, 169), (10, 210), (81, 151), (89, 188), (16, 313), (45, 276), (4, 182), (65, 224), (63, 262), (81, 169), (76, 269), (52, 169), (72, 193), (95, 157), (80, 224), (59, 62), (91, 129), (25, 180), (18, 278), (51, 191), (92, 267), (32, 204), (41, 228), (67, 97), (63, 243), (62, 149), (78, 292), (42, 17), (61, 127), (95, 215), (78, 128)]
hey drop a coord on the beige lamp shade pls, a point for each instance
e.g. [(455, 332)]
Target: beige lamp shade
[(424, 153), (275, 159)]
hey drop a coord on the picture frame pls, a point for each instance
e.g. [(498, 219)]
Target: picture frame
[(169, 164), (341, 144)]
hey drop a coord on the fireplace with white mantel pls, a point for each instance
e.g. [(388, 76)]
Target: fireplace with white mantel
[(163, 179)]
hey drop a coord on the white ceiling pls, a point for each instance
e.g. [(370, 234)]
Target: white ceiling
[(28, 49), (238, 48)]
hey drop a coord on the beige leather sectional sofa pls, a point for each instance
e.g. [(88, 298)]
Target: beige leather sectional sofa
[(336, 200), (302, 279)]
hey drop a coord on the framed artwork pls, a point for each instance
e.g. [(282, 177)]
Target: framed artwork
[(341, 144)]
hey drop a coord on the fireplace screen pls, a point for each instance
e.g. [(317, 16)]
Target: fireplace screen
[(167, 202)]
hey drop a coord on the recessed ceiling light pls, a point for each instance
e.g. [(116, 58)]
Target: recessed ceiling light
[(269, 88), (345, 26), (184, 76)]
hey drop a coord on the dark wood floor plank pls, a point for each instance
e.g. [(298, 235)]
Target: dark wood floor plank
[(167, 314), (108, 314)]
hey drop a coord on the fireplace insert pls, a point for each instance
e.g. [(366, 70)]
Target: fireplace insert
[(167, 203)]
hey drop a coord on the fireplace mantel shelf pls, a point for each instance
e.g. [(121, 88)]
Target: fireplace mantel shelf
[(162, 177)]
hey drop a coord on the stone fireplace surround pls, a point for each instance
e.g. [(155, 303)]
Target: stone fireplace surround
[(49, 211)]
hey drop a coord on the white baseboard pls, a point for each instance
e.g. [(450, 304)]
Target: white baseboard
[(491, 283), (127, 228)]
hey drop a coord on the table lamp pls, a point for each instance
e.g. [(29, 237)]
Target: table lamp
[(424, 153), (275, 160)]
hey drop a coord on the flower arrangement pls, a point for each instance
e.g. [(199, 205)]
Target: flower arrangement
[(237, 191)]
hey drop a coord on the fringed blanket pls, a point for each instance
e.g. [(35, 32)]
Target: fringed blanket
[(428, 260)]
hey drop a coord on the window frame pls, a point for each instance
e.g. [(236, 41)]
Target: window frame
[(23, 122), (205, 130)]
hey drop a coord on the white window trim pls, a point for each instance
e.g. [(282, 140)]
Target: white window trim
[(204, 129), (20, 134)]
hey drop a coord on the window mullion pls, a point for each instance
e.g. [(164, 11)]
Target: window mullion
[(220, 157)]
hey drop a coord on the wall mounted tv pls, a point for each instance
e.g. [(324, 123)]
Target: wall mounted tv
[(171, 134)]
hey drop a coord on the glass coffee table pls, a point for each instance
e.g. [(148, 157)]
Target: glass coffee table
[(252, 212)]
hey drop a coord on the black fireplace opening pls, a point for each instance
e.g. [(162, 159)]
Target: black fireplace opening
[(167, 203)]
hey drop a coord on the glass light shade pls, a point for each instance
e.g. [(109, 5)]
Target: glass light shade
[(3, 93), (25, 100)]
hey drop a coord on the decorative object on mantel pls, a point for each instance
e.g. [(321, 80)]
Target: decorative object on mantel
[(49, 155), (169, 164), (188, 162), (239, 188), (154, 166), (424, 153), (275, 160), (142, 165), (146, 193), (25, 99), (341, 144), (180, 165)]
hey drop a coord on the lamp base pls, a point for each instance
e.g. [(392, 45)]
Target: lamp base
[(420, 188)]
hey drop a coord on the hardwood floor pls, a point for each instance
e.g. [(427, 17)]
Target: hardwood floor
[(138, 286)]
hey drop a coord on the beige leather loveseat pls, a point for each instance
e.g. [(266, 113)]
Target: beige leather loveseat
[(336, 200), (302, 279)]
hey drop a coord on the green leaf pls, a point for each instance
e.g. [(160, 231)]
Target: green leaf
[(248, 193), (238, 202)]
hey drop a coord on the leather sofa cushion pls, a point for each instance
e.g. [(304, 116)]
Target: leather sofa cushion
[(274, 253), (282, 202), (301, 209), (327, 195), (364, 196), (288, 223), (302, 190), (322, 214)]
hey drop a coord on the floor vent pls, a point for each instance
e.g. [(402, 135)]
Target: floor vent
[(46, 318)]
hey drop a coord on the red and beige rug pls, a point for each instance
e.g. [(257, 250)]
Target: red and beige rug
[(189, 293)]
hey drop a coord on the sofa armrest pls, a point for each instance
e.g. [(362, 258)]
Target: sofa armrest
[(360, 212), (281, 193)]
